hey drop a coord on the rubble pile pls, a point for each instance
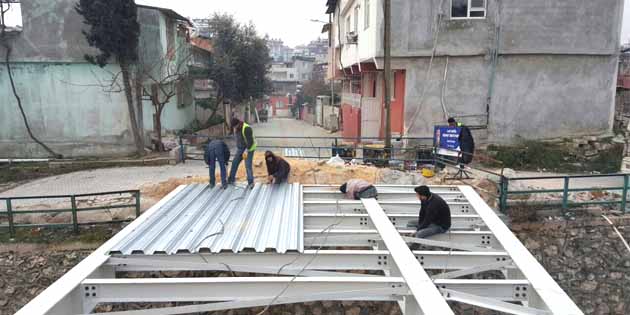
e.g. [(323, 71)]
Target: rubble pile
[(26, 274), (586, 257)]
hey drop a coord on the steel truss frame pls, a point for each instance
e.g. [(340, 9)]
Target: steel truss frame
[(379, 267)]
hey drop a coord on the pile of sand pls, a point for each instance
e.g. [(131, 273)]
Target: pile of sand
[(302, 171)]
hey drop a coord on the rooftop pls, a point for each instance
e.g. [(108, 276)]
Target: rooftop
[(202, 219)]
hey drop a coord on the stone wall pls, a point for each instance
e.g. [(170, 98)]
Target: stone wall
[(587, 258)]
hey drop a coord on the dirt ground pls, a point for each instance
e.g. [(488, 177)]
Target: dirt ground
[(302, 171)]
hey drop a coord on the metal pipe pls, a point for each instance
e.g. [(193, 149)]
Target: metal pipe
[(10, 215), (75, 219), (624, 196), (10, 161)]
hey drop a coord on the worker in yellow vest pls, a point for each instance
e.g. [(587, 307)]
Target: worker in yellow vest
[(245, 144)]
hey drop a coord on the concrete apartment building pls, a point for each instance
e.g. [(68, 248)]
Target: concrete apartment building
[(532, 69), (286, 78), (72, 105)]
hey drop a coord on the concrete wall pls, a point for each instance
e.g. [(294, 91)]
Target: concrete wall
[(52, 32), (67, 101), (527, 27), (535, 97), (67, 109), (555, 76)]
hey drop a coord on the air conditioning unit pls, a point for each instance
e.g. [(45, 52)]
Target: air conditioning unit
[(352, 38)]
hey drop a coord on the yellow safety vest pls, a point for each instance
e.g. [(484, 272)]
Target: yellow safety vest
[(254, 145)]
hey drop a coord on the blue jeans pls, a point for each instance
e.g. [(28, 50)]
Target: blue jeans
[(215, 156), (248, 165), (432, 229)]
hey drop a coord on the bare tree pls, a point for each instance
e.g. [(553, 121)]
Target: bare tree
[(114, 31), (164, 77), (5, 41)]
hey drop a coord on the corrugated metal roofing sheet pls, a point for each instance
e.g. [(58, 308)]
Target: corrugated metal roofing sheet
[(294, 152), (204, 219)]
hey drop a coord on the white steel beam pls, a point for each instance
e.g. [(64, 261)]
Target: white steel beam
[(491, 304), (390, 207), (156, 290), (554, 298), (310, 260), (63, 297), (420, 284), (385, 188), (474, 270), (371, 295), (226, 289), (315, 195), (443, 244), (400, 221), (368, 238)]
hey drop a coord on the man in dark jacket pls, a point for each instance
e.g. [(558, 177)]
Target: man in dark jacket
[(435, 214), (245, 143), (277, 168), (217, 151), (466, 142)]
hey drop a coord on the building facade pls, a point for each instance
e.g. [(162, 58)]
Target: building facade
[(77, 108), (514, 69)]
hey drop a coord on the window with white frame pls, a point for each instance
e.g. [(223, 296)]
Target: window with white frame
[(366, 13), (468, 9)]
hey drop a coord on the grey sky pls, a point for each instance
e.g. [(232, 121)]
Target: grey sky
[(285, 19), (625, 32)]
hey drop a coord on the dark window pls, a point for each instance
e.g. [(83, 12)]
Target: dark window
[(373, 78), (459, 8), (468, 9)]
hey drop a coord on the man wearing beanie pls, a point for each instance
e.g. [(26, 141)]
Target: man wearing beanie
[(435, 215), (245, 143)]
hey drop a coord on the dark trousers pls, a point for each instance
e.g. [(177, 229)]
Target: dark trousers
[(217, 155), (367, 193), (249, 169)]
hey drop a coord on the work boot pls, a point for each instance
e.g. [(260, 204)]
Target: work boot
[(250, 186)]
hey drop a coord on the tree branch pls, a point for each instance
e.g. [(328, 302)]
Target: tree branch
[(7, 62)]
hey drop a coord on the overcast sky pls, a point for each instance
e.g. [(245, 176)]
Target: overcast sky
[(285, 19)]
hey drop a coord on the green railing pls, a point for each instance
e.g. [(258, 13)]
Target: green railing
[(74, 209), (565, 203)]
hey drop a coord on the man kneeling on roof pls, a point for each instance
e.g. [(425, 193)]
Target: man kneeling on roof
[(357, 189), (435, 214)]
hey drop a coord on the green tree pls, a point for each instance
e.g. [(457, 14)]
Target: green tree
[(114, 31), (239, 63)]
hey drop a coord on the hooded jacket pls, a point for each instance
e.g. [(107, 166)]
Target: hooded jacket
[(278, 168)]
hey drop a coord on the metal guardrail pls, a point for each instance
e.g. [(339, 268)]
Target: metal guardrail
[(333, 149), (74, 209), (504, 191)]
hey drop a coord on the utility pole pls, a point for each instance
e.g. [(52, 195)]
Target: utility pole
[(331, 66), (388, 75)]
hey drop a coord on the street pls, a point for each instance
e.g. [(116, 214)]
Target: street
[(128, 178), (285, 129)]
